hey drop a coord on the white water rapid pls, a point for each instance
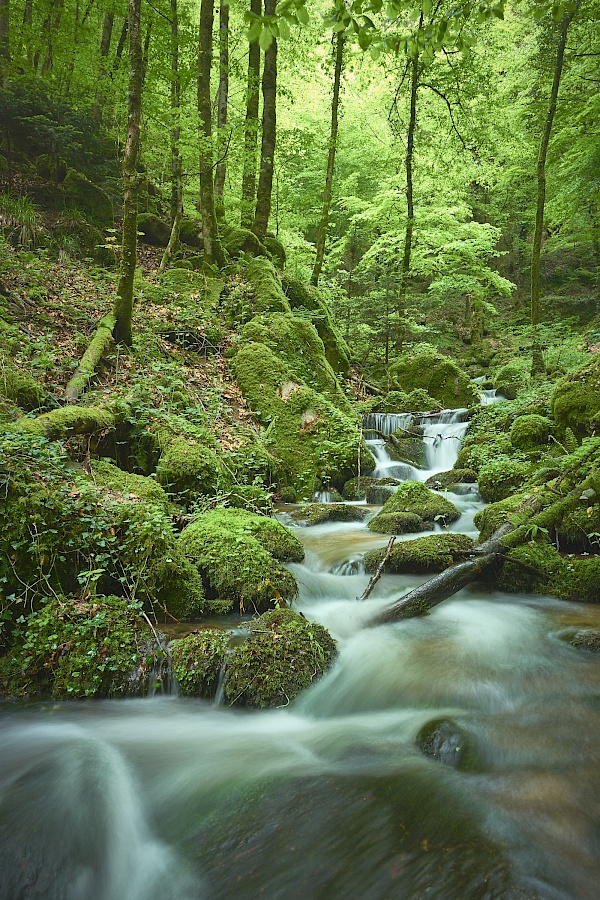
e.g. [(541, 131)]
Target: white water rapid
[(332, 797)]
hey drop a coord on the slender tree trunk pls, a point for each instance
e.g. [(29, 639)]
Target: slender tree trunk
[(327, 193), (251, 127), (269, 134), (4, 30), (213, 251), (105, 41), (536, 249), (221, 169), (52, 25), (123, 305), (146, 52), (176, 162), (120, 47), (410, 203)]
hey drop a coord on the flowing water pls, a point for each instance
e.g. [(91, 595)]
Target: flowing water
[(332, 797)]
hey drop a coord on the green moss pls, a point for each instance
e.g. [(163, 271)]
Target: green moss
[(276, 251), (198, 660), (284, 655), (438, 375), (317, 513), (190, 470), (232, 550), (529, 567), (316, 441), (433, 553), (417, 400), (408, 448), (479, 448), (266, 287), (578, 580), (501, 478), (378, 494), (575, 400), (488, 520), (444, 480), (579, 529), (398, 523), (239, 241), (529, 432), (77, 648), (89, 198), (250, 497), (19, 386), (512, 377), (189, 233), (306, 298), (153, 230), (350, 490), (69, 420), (415, 499), (134, 486)]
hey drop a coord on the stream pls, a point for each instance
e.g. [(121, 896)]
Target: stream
[(167, 798)]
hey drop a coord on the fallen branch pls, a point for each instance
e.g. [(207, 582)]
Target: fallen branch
[(86, 369), (70, 420), (375, 578)]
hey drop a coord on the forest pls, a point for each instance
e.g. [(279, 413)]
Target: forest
[(299, 448)]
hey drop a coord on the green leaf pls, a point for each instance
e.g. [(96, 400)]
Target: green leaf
[(303, 16), (266, 39)]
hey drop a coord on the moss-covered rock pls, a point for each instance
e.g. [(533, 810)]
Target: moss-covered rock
[(265, 283), (93, 647), (153, 230), (19, 386), (356, 489), (131, 486), (578, 531), (575, 400), (583, 639), (444, 480), (512, 377), (317, 513), (530, 567), (578, 580), (82, 194), (414, 499), (236, 553), (250, 497), (190, 234), (307, 298), (499, 479), (284, 655), (198, 660), (436, 374), (417, 400), (276, 251), (398, 523), (378, 494), (190, 469), (432, 553), (530, 432), (488, 520), (240, 241), (408, 448)]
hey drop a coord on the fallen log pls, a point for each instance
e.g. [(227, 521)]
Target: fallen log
[(86, 369), (70, 420)]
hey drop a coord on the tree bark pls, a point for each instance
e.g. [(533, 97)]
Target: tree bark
[(536, 249), (176, 162), (269, 134), (248, 200), (221, 168), (410, 203), (4, 31), (105, 41), (213, 252), (327, 193), (86, 369), (120, 47), (123, 305)]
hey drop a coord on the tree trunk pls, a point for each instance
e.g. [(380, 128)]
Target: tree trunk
[(105, 41), (86, 369), (269, 133), (213, 252), (410, 204), (536, 249), (248, 201), (221, 169), (123, 305), (120, 47), (176, 162), (322, 235)]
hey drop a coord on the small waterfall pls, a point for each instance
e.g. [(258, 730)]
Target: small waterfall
[(490, 396), (442, 435), (219, 693), (386, 467), (354, 565), (377, 424), (322, 497)]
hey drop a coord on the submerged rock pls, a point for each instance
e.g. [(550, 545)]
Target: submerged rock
[(443, 741), (446, 480)]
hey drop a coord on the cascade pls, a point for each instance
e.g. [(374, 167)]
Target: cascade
[(385, 423)]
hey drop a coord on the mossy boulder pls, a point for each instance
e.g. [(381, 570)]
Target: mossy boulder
[(398, 523), (153, 230), (318, 513), (575, 401), (305, 297), (414, 499), (578, 531), (444, 480), (583, 639), (284, 655), (480, 448), (488, 520), (19, 386), (432, 553), (512, 377), (530, 567), (577, 580), (276, 251), (237, 555), (417, 400), (87, 197), (531, 432), (438, 375), (240, 241), (378, 494), (70, 648), (317, 441), (129, 485), (190, 234), (499, 479), (265, 285), (190, 469), (198, 660), (408, 448), (356, 489)]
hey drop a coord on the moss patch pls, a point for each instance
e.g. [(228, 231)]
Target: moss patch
[(433, 553), (575, 400), (129, 485), (19, 386), (499, 479), (190, 469), (198, 660), (436, 374), (414, 499), (307, 298), (317, 513), (530, 432), (284, 655), (529, 567), (266, 287)]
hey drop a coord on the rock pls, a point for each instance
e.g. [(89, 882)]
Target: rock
[(575, 400), (443, 741), (19, 386), (438, 375), (198, 661), (89, 198), (584, 639), (414, 499), (307, 297), (446, 480), (317, 513), (499, 479), (433, 553), (190, 469), (530, 432), (276, 251), (190, 233), (284, 655), (512, 376), (153, 230), (240, 241)]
